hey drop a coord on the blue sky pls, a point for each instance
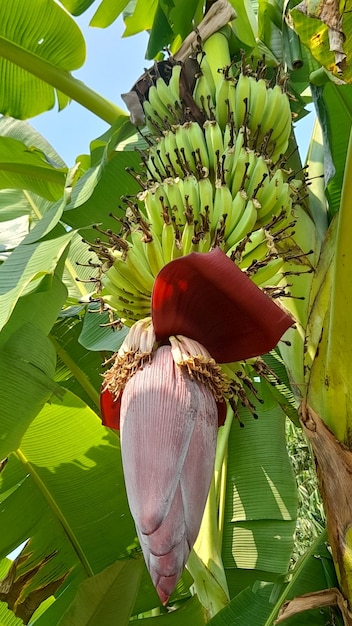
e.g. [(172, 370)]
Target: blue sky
[(112, 66)]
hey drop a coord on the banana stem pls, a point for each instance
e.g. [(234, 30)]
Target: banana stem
[(205, 561), (61, 80), (338, 387)]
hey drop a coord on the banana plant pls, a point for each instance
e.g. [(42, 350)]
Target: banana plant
[(219, 170)]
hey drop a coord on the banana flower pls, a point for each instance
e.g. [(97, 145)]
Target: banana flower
[(165, 392)]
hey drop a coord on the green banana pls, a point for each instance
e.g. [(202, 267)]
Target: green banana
[(154, 253), (167, 241), (204, 90), (217, 53), (222, 206), (258, 97), (168, 150), (123, 279), (244, 226), (187, 237), (257, 175), (269, 274), (215, 145), (153, 199), (198, 146), (185, 149), (191, 194), (161, 112), (242, 101), (238, 206), (174, 82), (206, 195), (224, 92)]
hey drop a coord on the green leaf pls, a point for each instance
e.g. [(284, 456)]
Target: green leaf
[(27, 362), (46, 31), (23, 168), (77, 7), (12, 233), (13, 204), (161, 34), (78, 369), (245, 25), (259, 605), (142, 17), (95, 337), (335, 113), (98, 192), (100, 598), (107, 12), (24, 132), (64, 490), (261, 499), (25, 269), (7, 617), (191, 612), (79, 272)]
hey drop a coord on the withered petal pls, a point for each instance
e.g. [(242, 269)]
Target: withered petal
[(110, 409), (205, 296)]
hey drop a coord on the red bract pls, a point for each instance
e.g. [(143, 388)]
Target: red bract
[(110, 410), (207, 297)]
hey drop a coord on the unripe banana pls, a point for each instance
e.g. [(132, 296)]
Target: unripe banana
[(244, 226), (119, 276), (191, 194), (154, 254), (174, 82), (282, 201), (198, 145), (239, 172), (205, 243), (204, 91), (123, 298), (132, 270), (214, 142), (257, 254), (238, 206), (151, 119), (158, 106), (242, 100), (185, 149), (258, 97), (257, 175), (269, 193), (173, 190), (167, 241), (154, 163), (222, 205), (153, 199), (206, 195), (171, 155), (187, 237), (168, 98), (222, 101), (269, 274), (217, 53)]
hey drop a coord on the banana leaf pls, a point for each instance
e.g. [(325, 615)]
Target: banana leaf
[(37, 29), (261, 499)]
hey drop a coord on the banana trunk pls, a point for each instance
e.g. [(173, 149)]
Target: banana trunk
[(330, 387)]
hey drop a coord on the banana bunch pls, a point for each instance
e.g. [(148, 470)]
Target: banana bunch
[(163, 107), (211, 181)]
